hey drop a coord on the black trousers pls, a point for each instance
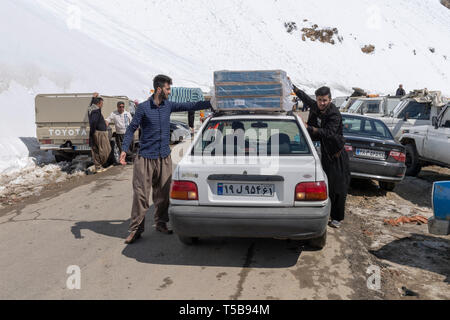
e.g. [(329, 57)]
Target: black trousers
[(338, 206), (191, 118), (338, 173), (119, 141)]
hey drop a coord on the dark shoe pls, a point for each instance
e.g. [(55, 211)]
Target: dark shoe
[(162, 227), (334, 224), (133, 236)]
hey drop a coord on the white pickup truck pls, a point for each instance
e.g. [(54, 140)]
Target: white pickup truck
[(428, 144), (415, 109)]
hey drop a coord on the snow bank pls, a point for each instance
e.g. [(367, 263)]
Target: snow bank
[(31, 180), (116, 47)]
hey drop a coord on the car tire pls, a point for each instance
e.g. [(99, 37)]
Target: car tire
[(318, 243), (412, 162), (188, 240), (388, 186)]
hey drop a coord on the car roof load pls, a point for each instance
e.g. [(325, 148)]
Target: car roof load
[(425, 96), (257, 91)]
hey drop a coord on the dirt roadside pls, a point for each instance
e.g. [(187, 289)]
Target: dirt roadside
[(414, 263)]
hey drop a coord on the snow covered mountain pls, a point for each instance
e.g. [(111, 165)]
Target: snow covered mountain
[(117, 47)]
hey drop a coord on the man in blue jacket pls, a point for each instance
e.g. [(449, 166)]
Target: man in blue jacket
[(153, 164)]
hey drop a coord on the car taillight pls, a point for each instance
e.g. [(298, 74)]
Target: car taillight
[(46, 141), (184, 190), (348, 148), (311, 191), (399, 156)]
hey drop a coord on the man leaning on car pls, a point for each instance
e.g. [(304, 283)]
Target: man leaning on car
[(325, 124), (153, 164)]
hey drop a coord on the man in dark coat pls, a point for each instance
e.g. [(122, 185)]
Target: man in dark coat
[(98, 134), (325, 124), (400, 91)]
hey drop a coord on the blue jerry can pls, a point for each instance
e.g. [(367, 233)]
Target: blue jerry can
[(441, 200)]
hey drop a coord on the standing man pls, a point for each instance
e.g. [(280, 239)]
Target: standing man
[(400, 91), (98, 135), (121, 120), (153, 165), (325, 124)]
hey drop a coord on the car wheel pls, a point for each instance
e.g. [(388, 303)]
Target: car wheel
[(318, 243), (388, 186), (413, 166), (188, 240)]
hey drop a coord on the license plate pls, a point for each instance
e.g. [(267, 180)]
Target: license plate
[(82, 148), (240, 189), (370, 154)]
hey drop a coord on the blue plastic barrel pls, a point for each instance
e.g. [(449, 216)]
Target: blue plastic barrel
[(441, 200)]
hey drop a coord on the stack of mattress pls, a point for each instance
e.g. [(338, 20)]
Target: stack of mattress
[(252, 90)]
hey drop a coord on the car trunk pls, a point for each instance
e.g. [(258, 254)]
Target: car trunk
[(371, 148), (247, 181)]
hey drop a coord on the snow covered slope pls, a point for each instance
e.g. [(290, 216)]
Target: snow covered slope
[(116, 47)]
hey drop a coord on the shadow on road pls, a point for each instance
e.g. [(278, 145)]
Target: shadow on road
[(110, 228), (157, 248), (419, 251), (368, 188)]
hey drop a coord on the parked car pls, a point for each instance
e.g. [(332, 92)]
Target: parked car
[(338, 101), (372, 151), (429, 144), (179, 131), (251, 175), (375, 107)]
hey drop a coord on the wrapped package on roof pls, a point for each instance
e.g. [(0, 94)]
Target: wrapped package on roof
[(252, 90)]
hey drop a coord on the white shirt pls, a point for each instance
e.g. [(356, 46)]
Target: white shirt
[(121, 121)]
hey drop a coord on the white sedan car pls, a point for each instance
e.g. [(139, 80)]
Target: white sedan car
[(251, 175)]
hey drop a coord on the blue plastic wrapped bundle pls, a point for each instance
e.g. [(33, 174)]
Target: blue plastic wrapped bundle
[(180, 94), (252, 90)]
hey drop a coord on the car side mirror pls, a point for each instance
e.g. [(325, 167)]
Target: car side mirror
[(434, 122)]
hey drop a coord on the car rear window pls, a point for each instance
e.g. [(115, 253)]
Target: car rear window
[(365, 127), (252, 137)]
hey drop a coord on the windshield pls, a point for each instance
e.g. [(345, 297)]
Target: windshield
[(361, 126), (416, 110), (398, 107), (367, 106), (251, 137), (445, 122), (355, 106)]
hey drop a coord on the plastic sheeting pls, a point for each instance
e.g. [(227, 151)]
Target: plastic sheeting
[(252, 90), (180, 94)]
